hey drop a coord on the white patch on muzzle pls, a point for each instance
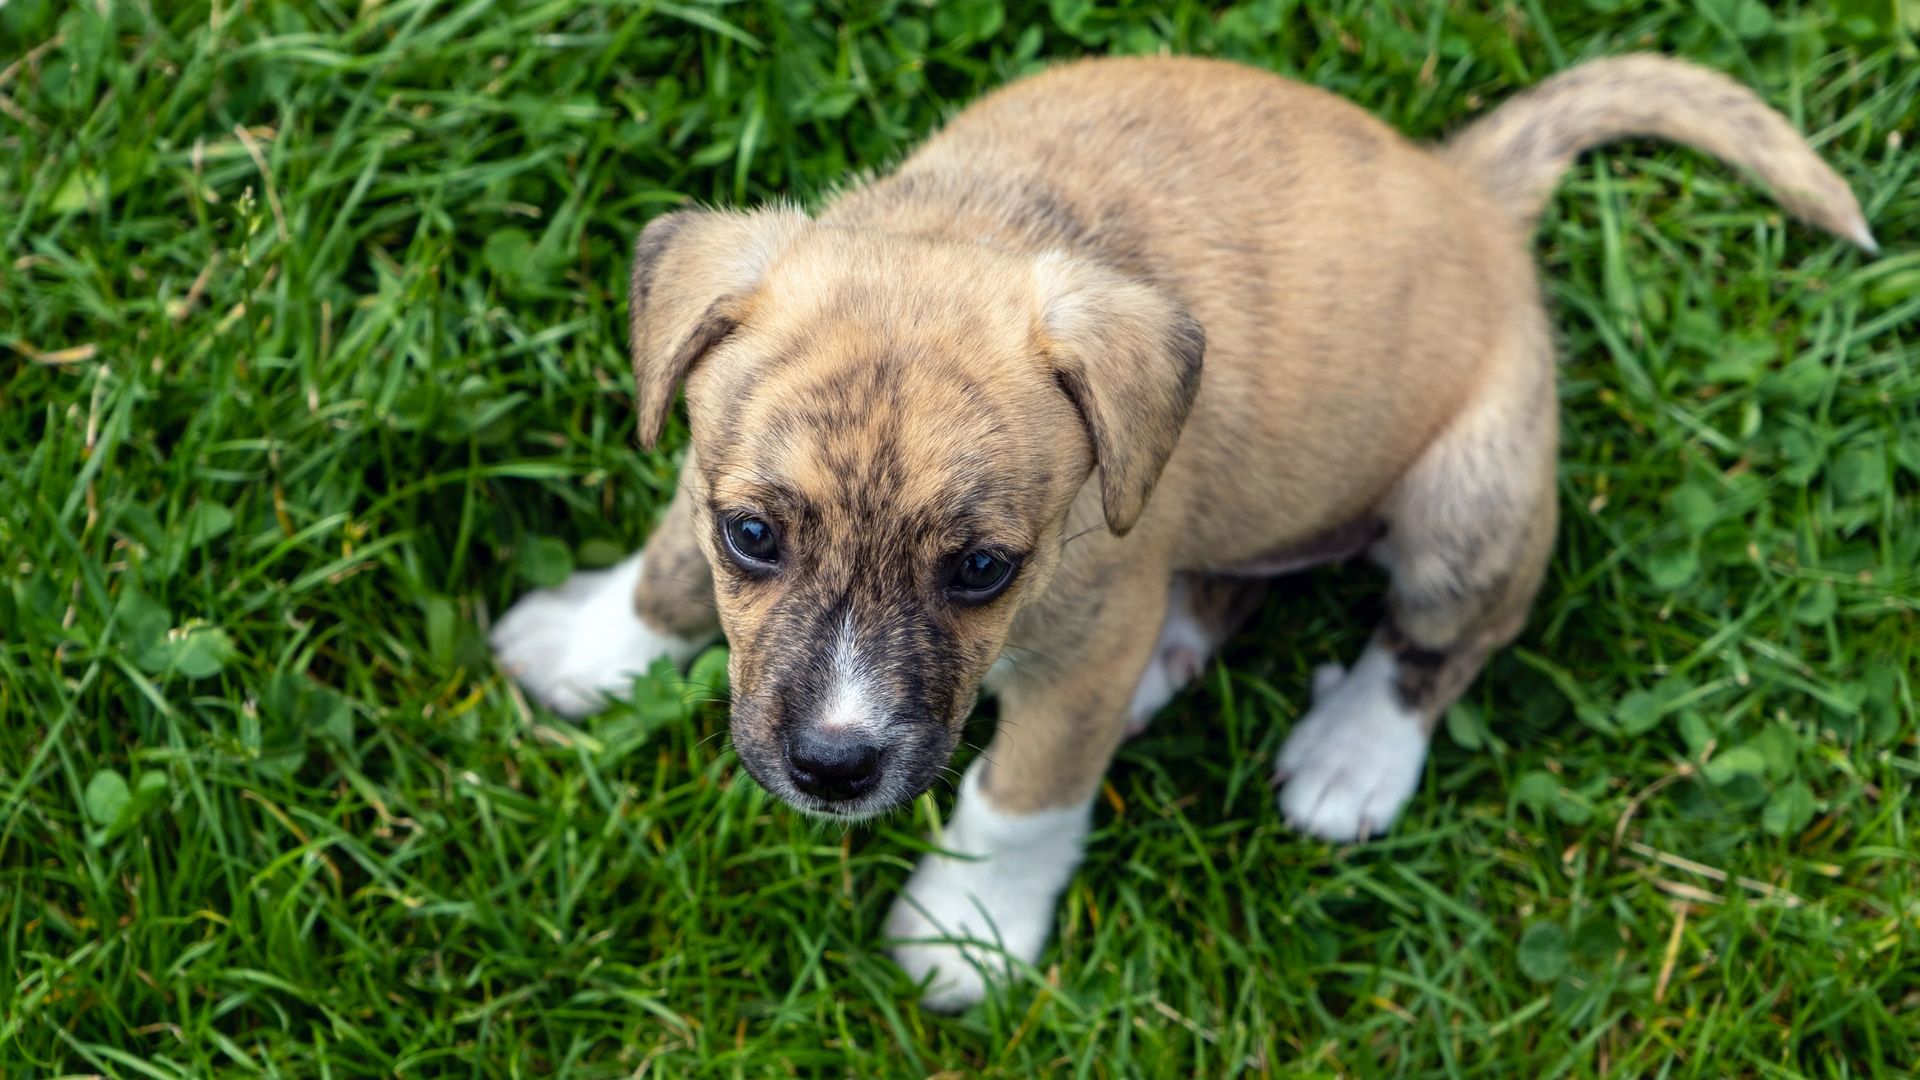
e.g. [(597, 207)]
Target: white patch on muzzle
[(851, 703)]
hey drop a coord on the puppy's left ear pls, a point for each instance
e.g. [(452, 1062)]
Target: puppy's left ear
[(693, 271), (1127, 354)]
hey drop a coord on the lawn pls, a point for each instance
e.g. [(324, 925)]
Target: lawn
[(312, 358)]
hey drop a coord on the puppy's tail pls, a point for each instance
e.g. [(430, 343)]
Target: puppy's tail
[(1521, 148)]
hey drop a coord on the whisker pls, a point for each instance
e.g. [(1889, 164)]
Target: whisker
[(1083, 532)]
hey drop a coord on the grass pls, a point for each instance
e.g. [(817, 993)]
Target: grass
[(314, 360)]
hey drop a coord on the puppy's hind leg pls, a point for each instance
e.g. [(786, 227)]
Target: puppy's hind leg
[(578, 644), (1469, 530), (1203, 611)]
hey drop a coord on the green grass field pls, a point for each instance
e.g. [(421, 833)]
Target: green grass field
[(312, 359)]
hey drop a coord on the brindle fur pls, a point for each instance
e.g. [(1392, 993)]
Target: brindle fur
[(1002, 343)]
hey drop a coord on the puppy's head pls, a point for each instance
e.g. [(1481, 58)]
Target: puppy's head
[(888, 433)]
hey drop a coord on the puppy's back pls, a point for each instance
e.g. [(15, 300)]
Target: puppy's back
[(1346, 278)]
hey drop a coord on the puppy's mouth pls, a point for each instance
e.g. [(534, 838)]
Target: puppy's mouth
[(851, 811)]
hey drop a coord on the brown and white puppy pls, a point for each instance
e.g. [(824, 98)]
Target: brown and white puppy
[(1036, 412)]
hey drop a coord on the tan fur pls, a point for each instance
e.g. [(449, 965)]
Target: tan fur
[(1062, 727), (1013, 310)]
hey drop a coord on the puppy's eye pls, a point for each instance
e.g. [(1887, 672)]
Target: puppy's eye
[(752, 541), (980, 576)]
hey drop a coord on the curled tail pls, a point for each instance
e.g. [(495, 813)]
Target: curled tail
[(1520, 149)]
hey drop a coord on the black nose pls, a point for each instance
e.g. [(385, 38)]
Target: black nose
[(827, 765)]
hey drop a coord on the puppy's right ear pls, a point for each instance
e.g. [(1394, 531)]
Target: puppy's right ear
[(692, 273)]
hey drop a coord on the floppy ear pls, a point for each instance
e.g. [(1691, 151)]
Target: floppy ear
[(1127, 355), (692, 272)]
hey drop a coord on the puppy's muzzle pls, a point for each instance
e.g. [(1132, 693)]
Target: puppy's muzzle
[(832, 766)]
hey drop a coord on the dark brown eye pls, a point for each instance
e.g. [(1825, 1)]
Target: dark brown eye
[(752, 541), (980, 576)]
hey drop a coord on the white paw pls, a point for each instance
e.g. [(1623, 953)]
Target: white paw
[(1325, 678), (957, 980), (1351, 764), (1172, 667), (1178, 658), (992, 909), (577, 645)]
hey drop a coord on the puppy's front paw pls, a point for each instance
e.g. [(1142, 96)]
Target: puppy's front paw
[(961, 922), (1351, 764), (576, 645), (953, 975)]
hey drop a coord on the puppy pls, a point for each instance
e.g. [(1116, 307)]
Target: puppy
[(1037, 411)]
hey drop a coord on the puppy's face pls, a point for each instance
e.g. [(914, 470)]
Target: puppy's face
[(883, 482), (887, 437)]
